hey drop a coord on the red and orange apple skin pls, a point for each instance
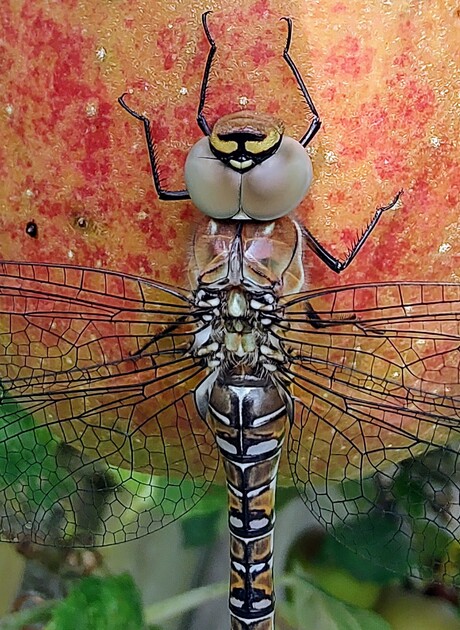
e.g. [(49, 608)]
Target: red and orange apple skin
[(384, 77)]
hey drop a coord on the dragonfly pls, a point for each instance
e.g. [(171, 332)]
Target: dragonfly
[(123, 399)]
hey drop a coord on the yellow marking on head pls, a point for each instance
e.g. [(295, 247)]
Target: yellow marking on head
[(223, 146), (259, 146), (267, 131)]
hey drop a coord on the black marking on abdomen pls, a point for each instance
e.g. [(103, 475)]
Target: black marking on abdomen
[(248, 416)]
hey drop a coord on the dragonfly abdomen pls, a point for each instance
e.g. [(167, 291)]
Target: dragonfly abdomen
[(248, 416)]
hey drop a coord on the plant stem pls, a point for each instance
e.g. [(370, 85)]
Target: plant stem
[(28, 616), (179, 604)]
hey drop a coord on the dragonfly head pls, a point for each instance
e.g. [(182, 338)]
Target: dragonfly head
[(247, 169)]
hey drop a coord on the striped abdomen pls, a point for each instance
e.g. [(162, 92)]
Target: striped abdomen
[(248, 416)]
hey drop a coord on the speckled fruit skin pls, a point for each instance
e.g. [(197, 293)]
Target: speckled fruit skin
[(384, 76)]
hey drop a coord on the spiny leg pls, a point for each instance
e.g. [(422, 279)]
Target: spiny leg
[(165, 195), (317, 322), (316, 122), (201, 120), (333, 263), (162, 335)]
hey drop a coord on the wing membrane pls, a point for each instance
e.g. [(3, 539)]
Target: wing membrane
[(97, 383), (372, 394)]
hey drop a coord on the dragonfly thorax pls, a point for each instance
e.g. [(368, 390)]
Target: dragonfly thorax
[(239, 329), (242, 276)]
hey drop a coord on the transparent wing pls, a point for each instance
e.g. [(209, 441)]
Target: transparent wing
[(100, 441), (375, 437)]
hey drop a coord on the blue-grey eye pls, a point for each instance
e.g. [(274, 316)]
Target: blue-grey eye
[(266, 191)]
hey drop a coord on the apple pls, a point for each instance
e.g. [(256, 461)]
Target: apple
[(76, 185), (408, 610)]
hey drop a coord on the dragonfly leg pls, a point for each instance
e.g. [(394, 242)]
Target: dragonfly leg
[(339, 265), (315, 124), (317, 322), (164, 333), (165, 195), (201, 119)]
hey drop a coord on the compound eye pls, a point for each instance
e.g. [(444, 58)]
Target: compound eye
[(213, 187), (277, 186), (268, 191)]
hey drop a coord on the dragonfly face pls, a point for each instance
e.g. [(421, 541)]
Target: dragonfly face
[(247, 169), (151, 389)]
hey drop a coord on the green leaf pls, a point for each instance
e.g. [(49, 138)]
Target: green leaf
[(30, 476), (201, 525), (111, 603), (42, 480), (371, 548), (215, 500), (310, 607), (284, 496), (178, 605)]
